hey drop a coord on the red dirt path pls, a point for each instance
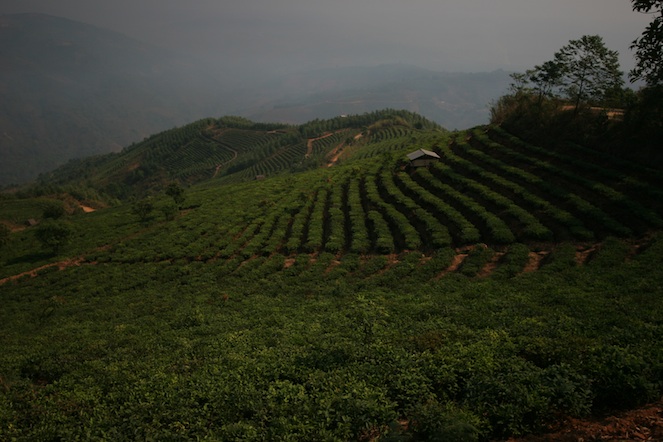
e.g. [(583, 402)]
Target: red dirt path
[(642, 424)]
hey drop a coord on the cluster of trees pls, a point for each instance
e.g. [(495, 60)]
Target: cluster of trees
[(584, 76), (317, 127), (143, 208), (649, 46), (583, 71)]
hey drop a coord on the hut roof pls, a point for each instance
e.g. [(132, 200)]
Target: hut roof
[(421, 153)]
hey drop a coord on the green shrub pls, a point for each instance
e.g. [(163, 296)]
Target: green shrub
[(54, 235), (621, 378), (435, 422)]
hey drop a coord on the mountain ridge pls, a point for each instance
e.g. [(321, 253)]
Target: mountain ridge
[(229, 149), (72, 90)]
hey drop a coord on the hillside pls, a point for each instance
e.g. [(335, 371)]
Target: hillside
[(229, 149), (72, 90), (489, 295)]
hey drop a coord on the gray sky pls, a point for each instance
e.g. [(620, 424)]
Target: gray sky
[(459, 35)]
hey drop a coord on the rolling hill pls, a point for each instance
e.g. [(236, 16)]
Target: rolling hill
[(229, 149), (453, 100), (71, 90), (344, 295)]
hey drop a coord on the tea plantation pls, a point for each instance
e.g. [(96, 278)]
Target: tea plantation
[(343, 295)]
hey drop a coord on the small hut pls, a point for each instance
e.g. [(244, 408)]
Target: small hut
[(422, 158)]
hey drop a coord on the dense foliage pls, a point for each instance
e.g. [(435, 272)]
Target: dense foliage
[(584, 71), (649, 46), (479, 298)]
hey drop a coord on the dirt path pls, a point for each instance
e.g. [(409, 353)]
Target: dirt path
[(455, 265), (534, 262), (583, 255), (490, 267), (309, 143), (336, 153), (61, 265), (642, 424), (219, 166)]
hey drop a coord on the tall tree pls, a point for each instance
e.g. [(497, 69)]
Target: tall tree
[(142, 209), (4, 235), (589, 70), (649, 47), (176, 192), (53, 235), (546, 78)]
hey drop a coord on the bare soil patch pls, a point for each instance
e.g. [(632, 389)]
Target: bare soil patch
[(335, 154), (61, 265), (490, 267), (535, 259), (642, 424), (583, 255), (455, 265)]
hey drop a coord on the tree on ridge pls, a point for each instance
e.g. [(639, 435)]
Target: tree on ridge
[(649, 46)]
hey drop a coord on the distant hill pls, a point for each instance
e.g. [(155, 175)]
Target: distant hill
[(68, 90), (234, 149), (71, 90), (453, 100)]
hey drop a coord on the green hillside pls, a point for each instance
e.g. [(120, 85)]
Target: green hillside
[(229, 149), (344, 295)]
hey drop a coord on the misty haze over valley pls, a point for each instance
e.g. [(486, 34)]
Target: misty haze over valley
[(80, 79)]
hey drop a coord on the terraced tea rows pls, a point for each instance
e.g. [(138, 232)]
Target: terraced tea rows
[(488, 188), (493, 290), (493, 206)]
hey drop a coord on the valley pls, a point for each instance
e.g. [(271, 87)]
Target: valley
[(69, 90)]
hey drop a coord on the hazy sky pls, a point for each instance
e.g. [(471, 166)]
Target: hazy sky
[(459, 35)]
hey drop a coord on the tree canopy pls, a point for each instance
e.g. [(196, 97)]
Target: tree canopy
[(589, 70), (4, 235), (584, 70), (53, 235), (176, 192), (649, 46)]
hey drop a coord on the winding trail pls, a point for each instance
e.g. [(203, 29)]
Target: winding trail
[(338, 151), (309, 144), (219, 166), (61, 265)]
